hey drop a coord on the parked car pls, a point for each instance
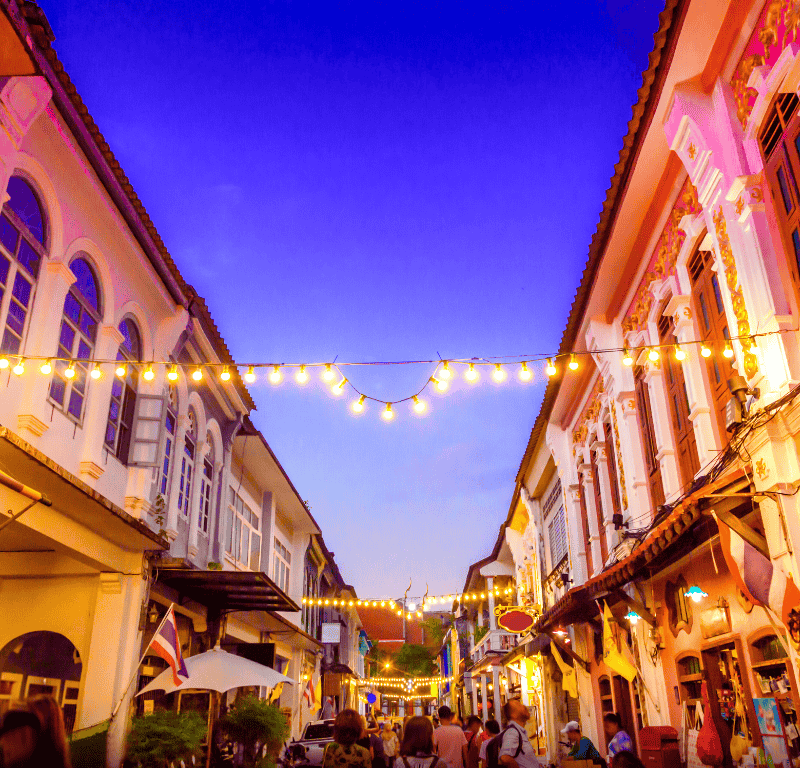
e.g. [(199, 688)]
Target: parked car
[(308, 749)]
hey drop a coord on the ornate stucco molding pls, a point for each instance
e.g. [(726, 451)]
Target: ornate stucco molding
[(737, 298)]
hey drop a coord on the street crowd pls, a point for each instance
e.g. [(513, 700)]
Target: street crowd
[(474, 744)]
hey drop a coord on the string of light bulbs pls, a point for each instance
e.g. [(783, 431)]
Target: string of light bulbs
[(367, 681), (412, 610), (333, 374)]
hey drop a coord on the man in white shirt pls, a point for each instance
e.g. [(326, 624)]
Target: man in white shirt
[(516, 750), (449, 740)]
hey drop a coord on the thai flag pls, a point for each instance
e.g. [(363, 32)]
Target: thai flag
[(308, 693), (762, 581), (165, 643)]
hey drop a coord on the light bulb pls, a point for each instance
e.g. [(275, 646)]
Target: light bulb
[(412, 606), (250, 376), (172, 375), (498, 374), (3, 362), (680, 355), (627, 359), (275, 375), (121, 371), (96, 373), (439, 384), (197, 374), (471, 375), (727, 352), (573, 363), (388, 414), (226, 374), (653, 355), (551, 369), (338, 389), (419, 405), (445, 373), (328, 374), (301, 377), (19, 368), (525, 374), (149, 373), (358, 405), (69, 373), (705, 351), (46, 368)]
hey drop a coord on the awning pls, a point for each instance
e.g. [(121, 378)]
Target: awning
[(580, 603), (228, 590)]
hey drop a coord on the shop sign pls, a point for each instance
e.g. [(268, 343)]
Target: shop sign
[(515, 618)]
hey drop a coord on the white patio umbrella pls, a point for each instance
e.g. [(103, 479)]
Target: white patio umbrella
[(217, 670)]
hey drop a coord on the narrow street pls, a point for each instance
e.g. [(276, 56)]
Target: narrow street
[(537, 497)]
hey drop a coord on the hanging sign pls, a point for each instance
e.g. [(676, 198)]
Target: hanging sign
[(515, 618)]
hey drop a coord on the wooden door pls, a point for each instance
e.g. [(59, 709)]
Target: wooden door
[(622, 697), (675, 384), (645, 415), (709, 310)]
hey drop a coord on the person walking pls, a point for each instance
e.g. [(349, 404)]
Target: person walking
[(416, 750), (449, 740), (516, 750), (391, 744), (490, 730), (617, 739), (582, 747), (34, 736), (472, 734), (343, 752)]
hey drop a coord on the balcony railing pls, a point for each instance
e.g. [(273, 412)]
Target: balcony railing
[(494, 641)]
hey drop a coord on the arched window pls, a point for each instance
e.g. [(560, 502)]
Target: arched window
[(22, 249), (187, 465), (76, 341), (123, 393), (206, 488)]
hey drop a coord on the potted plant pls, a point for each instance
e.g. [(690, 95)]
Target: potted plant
[(255, 724), (158, 739)]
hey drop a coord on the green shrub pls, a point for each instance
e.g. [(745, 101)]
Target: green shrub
[(254, 723), (163, 737)]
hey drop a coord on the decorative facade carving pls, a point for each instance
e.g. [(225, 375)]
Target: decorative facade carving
[(777, 28), (737, 299), (618, 452), (662, 263), (590, 413)]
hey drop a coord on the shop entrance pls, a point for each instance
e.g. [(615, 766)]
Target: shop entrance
[(39, 663), (622, 698), (722, 666)]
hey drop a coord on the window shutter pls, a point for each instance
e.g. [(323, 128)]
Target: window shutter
[(148, 431)]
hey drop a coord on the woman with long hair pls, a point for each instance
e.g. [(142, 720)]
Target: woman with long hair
[(343, 752), (416, 751), (33, 735)]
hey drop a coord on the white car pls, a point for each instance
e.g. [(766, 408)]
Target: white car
[(308, 749)]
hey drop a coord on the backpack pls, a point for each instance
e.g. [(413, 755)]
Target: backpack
[(496, 744)]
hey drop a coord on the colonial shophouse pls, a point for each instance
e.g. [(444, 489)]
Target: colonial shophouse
[(696, 254), (162, 489)]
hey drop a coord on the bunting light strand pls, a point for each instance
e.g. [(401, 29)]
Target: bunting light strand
[(332, 374), (412, 610)]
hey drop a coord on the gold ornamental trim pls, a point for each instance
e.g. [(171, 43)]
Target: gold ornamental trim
[(737, 298)]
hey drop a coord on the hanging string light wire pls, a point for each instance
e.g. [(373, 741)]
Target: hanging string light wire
[(562, 363)]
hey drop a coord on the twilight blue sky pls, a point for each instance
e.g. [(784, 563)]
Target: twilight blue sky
[(376, 181)]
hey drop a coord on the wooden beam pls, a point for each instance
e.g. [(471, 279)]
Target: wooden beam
[(635, 605), (752, 537), (564, 647)]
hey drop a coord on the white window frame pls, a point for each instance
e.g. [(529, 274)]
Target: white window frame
[(206, 495), (240, 520), (281, 564)]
